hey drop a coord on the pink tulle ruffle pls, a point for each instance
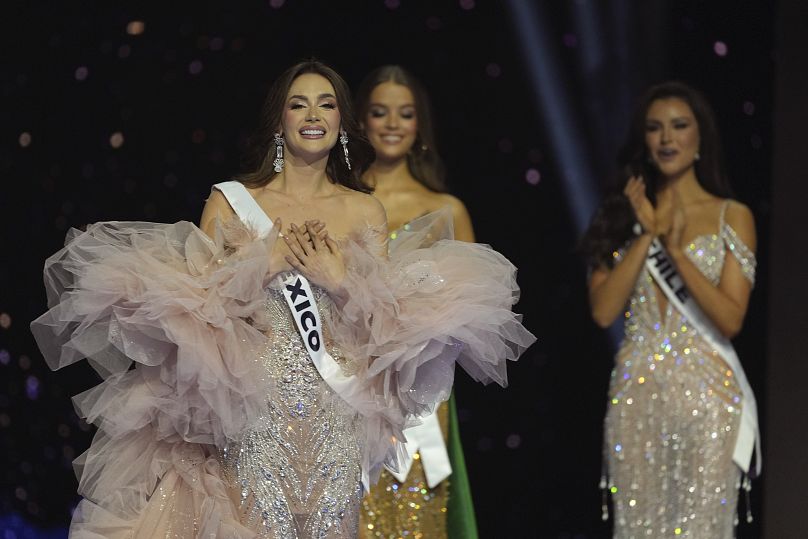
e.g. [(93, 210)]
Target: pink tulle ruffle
[(174, 323)]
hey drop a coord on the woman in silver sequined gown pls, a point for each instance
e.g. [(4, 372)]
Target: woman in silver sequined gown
[(674, 404), (298, 474), (213, 418)]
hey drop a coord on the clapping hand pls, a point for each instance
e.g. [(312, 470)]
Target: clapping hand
[(643, 209), (673, 236), (315, 255)]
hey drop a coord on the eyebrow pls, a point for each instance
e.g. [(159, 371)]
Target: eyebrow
[(304, 98), (678, 118)]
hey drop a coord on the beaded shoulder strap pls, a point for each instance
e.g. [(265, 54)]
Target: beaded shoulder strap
[(742, 253), (245, 206), (722, 219)]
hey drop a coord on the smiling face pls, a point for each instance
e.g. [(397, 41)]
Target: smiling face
[(391, 122), (671, 136), (311, 117)]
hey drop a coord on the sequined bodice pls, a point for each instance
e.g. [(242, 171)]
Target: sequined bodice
[(298, 383), (668, 333), (297, 474), (674, 411), (708, 253)]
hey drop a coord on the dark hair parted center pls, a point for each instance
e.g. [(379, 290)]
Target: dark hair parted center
[(261, 149), (423, 160), (611, 226)]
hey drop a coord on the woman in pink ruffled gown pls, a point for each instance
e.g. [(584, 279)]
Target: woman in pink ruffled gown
[(215, 417)]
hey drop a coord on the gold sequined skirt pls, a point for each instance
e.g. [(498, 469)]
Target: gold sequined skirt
[(410, 509)]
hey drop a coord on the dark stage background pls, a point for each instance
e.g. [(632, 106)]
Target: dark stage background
[(115, 111)]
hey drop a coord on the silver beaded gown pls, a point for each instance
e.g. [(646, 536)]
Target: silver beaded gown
[(297, 473), (673, 414)]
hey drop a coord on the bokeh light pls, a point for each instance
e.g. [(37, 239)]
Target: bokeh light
[(195, 67), (135, 28), (116, 140)]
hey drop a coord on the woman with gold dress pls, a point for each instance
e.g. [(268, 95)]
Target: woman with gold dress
[(431, 499)]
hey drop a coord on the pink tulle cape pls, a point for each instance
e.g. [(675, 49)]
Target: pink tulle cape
[(173, 322)]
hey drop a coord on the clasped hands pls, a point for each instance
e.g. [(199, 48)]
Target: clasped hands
[(315, 255), (666, 220)]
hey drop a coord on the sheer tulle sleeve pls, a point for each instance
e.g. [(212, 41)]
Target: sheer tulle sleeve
[(176, 304), (170, 319), (435, 302)]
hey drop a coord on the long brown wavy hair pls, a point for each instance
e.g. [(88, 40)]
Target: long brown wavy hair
[(611, 226), (423, 161), (261, 148)]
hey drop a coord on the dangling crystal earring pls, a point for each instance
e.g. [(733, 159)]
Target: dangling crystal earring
[(697, 156), (343, 139), (278, 162)]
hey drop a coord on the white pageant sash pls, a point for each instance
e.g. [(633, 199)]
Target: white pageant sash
[(245, 206), (428, 439), (302, 305), (664, 273), (301, 302)]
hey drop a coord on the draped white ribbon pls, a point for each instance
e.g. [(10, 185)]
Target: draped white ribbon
[(426, 438), (245, 206), (302, 305), (671, 283)]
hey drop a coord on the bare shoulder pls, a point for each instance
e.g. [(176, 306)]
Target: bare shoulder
[(739, 210), (445, 199), (366, 207), (216, 206), (742, 221), (464, 231)]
